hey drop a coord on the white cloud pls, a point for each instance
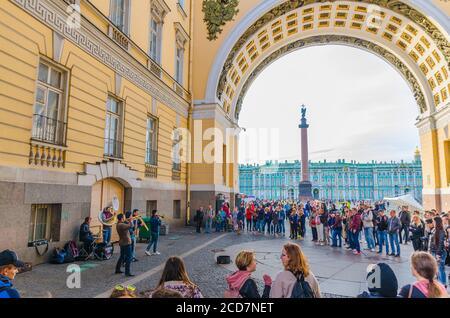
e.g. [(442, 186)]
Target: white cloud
[(359, 107)]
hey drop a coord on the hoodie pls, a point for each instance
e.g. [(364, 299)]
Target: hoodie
[(6, 288), (237, 279), (242, 282)]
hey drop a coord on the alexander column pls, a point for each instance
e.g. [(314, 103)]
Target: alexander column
[(305, 186)]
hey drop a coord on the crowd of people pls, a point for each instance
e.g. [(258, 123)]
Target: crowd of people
[(327, 224), (339, 225), (294, 280)]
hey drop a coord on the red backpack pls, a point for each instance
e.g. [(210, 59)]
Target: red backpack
[(72, 249)]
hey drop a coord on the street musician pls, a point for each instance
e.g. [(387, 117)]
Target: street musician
[(107, 216)]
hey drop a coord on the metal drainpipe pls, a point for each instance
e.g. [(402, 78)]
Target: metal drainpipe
[(189, 122)]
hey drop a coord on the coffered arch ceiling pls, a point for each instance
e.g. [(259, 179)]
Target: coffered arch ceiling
[(402, 35)]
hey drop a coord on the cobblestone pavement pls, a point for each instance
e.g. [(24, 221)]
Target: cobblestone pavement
[(340, 273)]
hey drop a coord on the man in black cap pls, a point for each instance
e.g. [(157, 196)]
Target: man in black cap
[(381, 282), (9, 265)]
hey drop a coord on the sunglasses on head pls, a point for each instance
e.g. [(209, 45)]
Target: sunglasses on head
[(129, 288)]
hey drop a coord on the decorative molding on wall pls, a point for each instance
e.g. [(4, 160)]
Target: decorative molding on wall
[(396, 6), (104, 49), (337, 39), (109, 169)]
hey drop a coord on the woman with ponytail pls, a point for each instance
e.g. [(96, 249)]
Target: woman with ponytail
[(424, 268)]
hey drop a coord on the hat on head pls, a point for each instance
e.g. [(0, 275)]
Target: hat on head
[(382, 280), (8, 257)]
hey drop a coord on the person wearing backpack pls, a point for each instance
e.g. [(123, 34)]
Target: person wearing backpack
[(424, 268), (296, 280), (240, 283), (9, 265)]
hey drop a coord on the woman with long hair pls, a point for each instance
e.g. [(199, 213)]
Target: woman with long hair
[(437, 248), (175, 277), (295, 267), (424, 268)]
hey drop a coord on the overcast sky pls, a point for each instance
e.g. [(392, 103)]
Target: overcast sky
[(359, 108)]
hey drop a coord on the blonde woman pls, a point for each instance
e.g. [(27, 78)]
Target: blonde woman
[(295, 267), (424, 268), (417, 231), (241, 284)]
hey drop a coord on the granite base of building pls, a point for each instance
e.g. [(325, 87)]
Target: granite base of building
[(440, 202), (206, 198), (27, 196)]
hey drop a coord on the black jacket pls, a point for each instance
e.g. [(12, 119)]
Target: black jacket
[(438, 248), (250, 290), (405, 218), (382, 223), (199, 216), (417, 231), (85, 233)]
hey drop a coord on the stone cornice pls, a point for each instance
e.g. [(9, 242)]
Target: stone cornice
[(213, 111), (437, 120), (337, 39), (442, 116), (100, 46)]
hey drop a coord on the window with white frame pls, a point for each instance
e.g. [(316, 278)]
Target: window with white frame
[(113, 128), (181, 38), (179, 64), (155, 38), (45, 222), (120, 10), (176, 148), (151, 156), (49, 110)]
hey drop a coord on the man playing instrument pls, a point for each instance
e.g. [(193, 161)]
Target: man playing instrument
[(123, 229), (136, 224), (106, 216)]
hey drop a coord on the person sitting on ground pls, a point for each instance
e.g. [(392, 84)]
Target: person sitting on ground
[(424, 267), (175, 277), (295, 266), (121, 291), (9, 267), (381, 282), (166, 293), (240, 282)]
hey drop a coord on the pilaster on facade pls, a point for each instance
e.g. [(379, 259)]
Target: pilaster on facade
[(107, 50)]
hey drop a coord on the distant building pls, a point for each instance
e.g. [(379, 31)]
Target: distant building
[(338, 180)]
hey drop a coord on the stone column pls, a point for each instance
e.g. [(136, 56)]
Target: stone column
[(305, 186)]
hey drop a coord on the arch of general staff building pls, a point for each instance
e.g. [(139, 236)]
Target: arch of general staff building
[(412, 36)]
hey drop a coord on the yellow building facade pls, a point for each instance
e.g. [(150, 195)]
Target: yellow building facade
[(130, 101)]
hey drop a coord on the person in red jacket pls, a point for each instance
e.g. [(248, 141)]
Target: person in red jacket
[(249, 215), (355, 228)]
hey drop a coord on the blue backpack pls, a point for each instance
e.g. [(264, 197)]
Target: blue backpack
[(59, 256)]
